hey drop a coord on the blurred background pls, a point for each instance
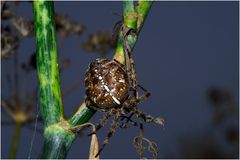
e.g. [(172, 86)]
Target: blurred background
[(186, 56)]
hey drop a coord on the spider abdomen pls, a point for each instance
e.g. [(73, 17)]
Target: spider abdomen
[(106, 83)]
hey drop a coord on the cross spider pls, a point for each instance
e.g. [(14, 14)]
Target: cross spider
[(108, 88)]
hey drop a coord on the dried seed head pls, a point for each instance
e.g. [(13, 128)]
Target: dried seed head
[(106, 83)]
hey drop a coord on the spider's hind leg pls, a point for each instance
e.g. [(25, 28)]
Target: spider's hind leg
[(111, 131)]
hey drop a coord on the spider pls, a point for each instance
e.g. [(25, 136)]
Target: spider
[(111, 87)]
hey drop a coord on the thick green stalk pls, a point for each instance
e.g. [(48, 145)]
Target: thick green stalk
[(47, 63), (57, 138), (15, 141)]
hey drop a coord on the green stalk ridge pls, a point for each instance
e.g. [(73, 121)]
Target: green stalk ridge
[(47, 63)]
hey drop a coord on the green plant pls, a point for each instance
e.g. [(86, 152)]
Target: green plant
[(58, 131)]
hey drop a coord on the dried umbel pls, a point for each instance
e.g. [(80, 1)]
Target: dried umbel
[(106, 83)]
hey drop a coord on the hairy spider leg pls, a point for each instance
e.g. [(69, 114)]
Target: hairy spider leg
[(144, 96), (103, 121), (91, 106), (96, 108), (146, 93), (145, 117), (148, 118), (141, 149), (129, 58), (111, 131), (128, 119)]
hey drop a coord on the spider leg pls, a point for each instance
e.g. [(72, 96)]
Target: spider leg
[(127, 58), (130, 67), (148, 118), (102, 121), (93, 107), (111, 131), (145, 95), (128, 120), (89, 105), (144, 89)]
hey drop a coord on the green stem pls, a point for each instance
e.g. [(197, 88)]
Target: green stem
[(57, 139), (47, 63), (130, 20), (129, 14), (143, 8), (134, 18), (15, 141), (119, 53), (82, 115)]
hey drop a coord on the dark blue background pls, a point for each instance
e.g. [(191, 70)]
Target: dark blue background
[(183, 49)]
